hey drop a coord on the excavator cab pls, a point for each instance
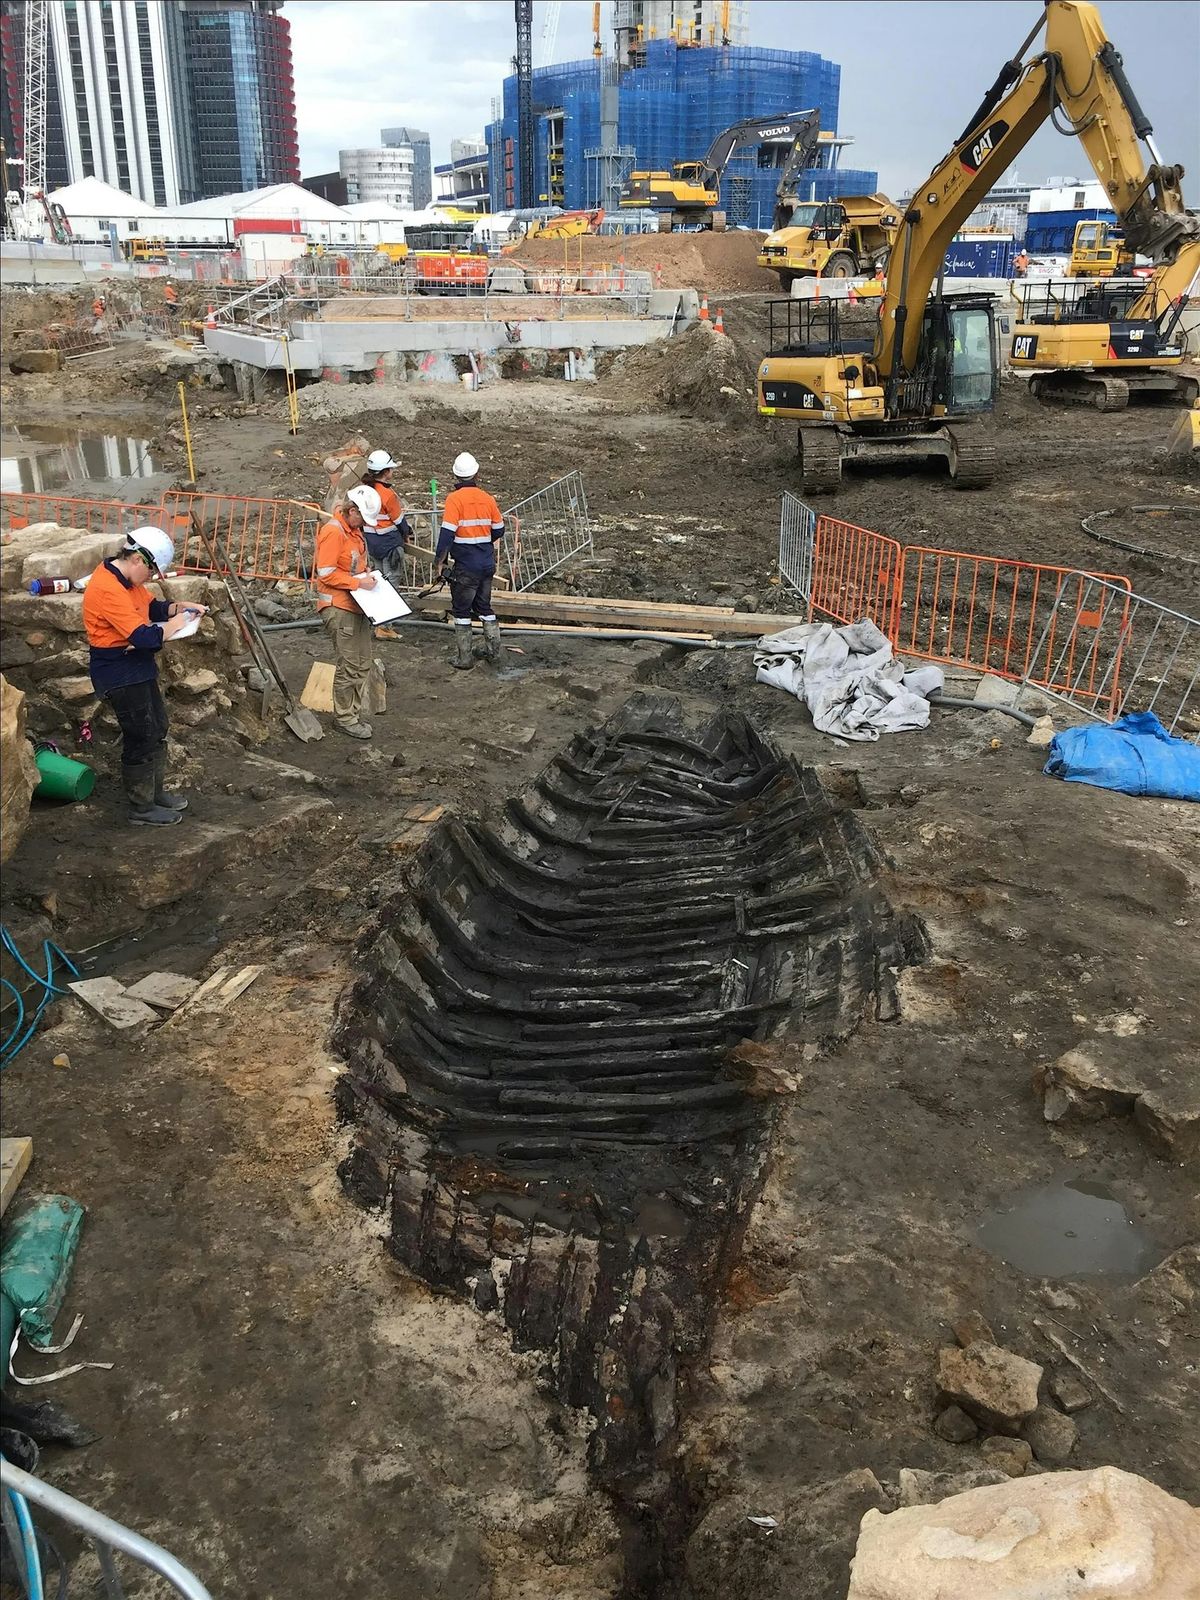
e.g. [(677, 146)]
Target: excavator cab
[(958, 355)]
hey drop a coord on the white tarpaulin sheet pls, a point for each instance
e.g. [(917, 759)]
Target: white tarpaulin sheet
[(848, 677)]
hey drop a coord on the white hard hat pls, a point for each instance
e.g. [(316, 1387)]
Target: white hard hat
[(152, 543), (379, 461), (368, 502), (465, 465)]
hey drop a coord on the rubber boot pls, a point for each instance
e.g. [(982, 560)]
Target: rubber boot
[(139, 790), (464, 656), (163, 796), (491, 640)]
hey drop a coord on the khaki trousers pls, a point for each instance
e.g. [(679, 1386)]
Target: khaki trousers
[(353, 652)]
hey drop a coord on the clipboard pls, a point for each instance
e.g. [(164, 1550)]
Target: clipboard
[(382, 603)]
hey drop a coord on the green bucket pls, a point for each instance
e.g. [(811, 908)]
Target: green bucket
[(62, 778)]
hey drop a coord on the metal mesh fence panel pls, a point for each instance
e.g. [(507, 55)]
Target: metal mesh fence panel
[(1106, 651), (797, 532), (546, 530)]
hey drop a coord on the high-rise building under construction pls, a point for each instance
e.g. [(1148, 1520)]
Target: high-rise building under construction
[(662, 99)]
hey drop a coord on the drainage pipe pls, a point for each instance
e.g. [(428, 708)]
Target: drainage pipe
[(939, 699), (685, 641)]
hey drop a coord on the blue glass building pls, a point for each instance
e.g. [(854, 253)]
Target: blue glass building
[(670, 108)]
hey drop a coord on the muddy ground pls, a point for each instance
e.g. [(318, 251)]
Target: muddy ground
[(294, 1416)]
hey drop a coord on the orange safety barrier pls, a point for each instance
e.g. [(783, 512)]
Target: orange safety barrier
[(856, 574), (18, 509), (1017, 619), (272, 540)]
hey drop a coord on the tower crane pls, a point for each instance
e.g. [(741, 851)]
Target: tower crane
[(550, 32)]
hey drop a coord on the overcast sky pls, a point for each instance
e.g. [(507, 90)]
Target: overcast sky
[(912, 72)]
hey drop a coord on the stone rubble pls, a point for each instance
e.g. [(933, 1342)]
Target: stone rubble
[(995, 1386)]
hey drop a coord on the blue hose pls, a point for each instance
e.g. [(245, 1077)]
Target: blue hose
[(20, 1035), (33, 1561)]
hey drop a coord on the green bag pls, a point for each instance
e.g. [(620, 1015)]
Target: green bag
[(35, 1268)]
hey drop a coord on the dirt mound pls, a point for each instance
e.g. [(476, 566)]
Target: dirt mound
[(705, 261), (702, 373)]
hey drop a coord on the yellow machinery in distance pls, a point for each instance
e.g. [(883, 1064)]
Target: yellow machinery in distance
[(914, 387), (842, 238), (692, 191), (1098, 251)]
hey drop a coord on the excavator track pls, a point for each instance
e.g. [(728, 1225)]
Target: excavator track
[(1080, 389), (972, 462), (819, 452)]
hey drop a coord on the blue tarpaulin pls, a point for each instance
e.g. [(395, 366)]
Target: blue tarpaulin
[(1135, 755)]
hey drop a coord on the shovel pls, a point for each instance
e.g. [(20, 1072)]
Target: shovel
[(298, 719)]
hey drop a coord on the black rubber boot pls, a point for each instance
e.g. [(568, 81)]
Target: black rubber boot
[(162, 796), (491, 640), (144, 811), (464, 656)]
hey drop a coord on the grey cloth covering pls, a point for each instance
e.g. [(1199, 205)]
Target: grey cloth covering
[(848, 677)]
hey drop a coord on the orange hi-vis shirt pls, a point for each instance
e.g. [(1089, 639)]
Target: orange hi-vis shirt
[(471, 523), (390, 508), (341, 561), (122, 623)]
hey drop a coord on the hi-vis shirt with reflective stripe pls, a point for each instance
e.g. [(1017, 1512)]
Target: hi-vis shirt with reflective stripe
[(472, 516), (341, 563)]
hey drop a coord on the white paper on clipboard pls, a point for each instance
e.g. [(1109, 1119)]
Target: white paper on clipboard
[(381, 603), (188, 629)]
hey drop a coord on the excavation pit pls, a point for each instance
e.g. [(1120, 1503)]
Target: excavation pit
[(570, 1029)]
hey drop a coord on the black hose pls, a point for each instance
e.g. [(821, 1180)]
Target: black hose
[(939, 699)]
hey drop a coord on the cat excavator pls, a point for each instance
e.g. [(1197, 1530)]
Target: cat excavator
[(917, 386), (692, 191)]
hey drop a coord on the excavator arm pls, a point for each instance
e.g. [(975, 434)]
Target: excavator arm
[(798, 125), (1079, 83)]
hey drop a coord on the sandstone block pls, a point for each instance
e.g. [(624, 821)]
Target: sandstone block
[(1107, 1534), (18, 769), (993, 1385)]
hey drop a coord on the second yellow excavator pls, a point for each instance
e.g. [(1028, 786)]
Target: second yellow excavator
[(915, 387)]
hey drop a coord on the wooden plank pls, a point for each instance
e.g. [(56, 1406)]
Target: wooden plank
[(15, 1156), (317, 694), (648, 615)]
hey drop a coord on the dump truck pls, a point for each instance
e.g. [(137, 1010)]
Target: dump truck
[(848, 237)]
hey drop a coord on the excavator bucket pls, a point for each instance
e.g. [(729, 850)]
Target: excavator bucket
[(1185, 436)]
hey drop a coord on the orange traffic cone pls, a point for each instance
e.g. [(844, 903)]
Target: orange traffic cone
[(852, 297), (210, 320), (817, 287), (719, 324), (704, 308)]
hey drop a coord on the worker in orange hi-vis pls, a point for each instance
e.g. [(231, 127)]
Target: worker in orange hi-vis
[(343, 565), (171, 296), (472, 526)]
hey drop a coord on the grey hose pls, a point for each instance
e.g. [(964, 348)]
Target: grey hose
[(939, 699), (626, 636)]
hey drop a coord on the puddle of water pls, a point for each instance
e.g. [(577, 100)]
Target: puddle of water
[(1069, 1229), (37, 459)]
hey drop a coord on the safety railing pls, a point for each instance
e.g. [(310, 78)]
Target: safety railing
[(105, 1535), (19, 509), (545, 530), (995, 615), (76, 339), (1105, 651), (797, 534), (272, 540), (856, 573)]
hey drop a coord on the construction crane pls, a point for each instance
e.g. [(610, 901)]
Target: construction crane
[(549, 32), (37, 16), (597, 47), (526, 192)]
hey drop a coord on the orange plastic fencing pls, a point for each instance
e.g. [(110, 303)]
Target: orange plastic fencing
[(856, 574), (266, 539), (18, 509), (1017, 619)]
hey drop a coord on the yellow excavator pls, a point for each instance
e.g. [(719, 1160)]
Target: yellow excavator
[(691, 192), (929, 372)]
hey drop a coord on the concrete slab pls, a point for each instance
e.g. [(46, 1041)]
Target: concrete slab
[(164, 990), (111, 1001)]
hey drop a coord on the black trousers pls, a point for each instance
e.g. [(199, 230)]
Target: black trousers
[(142, 714), (470, 594)]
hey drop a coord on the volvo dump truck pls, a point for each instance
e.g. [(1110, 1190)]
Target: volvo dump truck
[(915, 386), (844, 238), (691, 193)]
